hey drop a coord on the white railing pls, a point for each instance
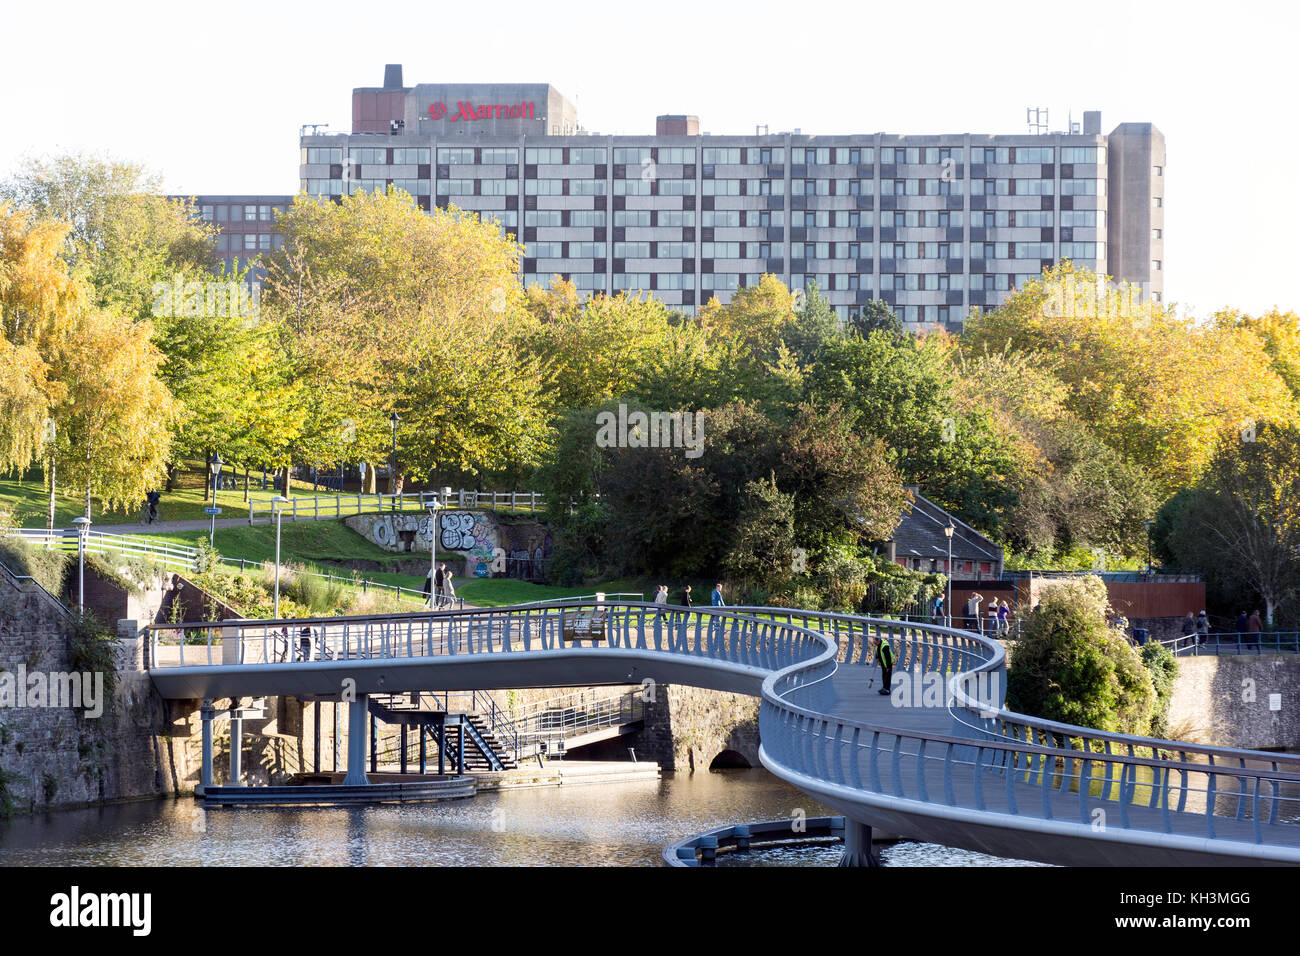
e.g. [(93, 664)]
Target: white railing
[(318, 507)]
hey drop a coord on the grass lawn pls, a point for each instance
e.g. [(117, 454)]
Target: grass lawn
[(27, 500)]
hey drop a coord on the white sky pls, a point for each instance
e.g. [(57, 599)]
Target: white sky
[(212, 95)]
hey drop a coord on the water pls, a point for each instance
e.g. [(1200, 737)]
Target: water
[(617, 824)]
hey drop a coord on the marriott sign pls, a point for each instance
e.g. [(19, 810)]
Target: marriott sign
[(469, 112)]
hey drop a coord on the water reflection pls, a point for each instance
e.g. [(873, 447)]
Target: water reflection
[(611, 824)]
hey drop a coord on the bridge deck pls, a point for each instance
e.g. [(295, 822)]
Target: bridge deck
[(857, 697)]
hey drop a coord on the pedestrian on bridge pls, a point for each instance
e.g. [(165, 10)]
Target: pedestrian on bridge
[(661, 598), (883, 654), (448, 589), (439, 584), (715, 597), (686, 597)]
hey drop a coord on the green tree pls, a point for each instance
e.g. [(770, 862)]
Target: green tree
[(876, 316), (1069, 666)]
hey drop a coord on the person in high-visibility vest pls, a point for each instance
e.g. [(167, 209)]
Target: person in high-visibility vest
[(885, 657)]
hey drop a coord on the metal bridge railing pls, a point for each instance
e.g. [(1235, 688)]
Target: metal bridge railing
[(992, 761), (317, 507)]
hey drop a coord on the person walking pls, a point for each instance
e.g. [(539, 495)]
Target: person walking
[(448, 588), (1189, 627), (686, 597), (152, 499), (715, 596), (973, 612), (884, 656), (428, 589), (661, 598), (1202, 628), (936, 611), (439, 584), (1004, 618), (1254, 624)]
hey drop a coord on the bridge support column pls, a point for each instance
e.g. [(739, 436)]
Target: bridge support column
[(207, 712), (857, 845), (236, 743), (357, 743)]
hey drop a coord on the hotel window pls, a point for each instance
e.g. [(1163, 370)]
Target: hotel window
[(586, 187), (1034, 154), (458, 187), (264, 241), (676, 250), (586, 250), (221, 242), (1085, 218), (632, 187), (1080, 250), (264, 213), (369, 157), (677, 217), (763, 250), (820, 156), (677, 155), (677, 187), (631, 250), (1033, 187), (1157, 233), (632, 217), (1028, 218), (505, 218), (628, 281), (586, 155), (676, 280), (810, 187), (496, 187), (495, 157), (420, 187), (322, 156), (545, 250), (940, 154), (1034, 250), (763, 156), (631, 156), (410, 157), (222, 212), (942, 282), (250, 241), (1157, 202), (1157, 170), (758, 219), (852, 219), (319, 187), (1155, 265), (768, 187), (535, 154), (728, 218), (206, 213), (848, 250), (250, 214), (589, 281), (722, 187), (716, 155), (720, 281), (1078, 154), (943, 187), (1083, 187), (720, 250), (539, 187), (854, 156), (546, 218), (587, 218)]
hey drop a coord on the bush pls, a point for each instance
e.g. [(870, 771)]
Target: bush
[(1069, 666), (1163, 668), (91, 650)]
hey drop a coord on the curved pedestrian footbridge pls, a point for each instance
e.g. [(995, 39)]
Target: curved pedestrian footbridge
[(939, 759)]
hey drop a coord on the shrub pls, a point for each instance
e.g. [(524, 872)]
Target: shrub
[(1069, 666), (1163, 668)]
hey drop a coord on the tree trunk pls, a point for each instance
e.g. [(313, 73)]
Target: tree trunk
[(284, 480), (171, 478), (371, 483), (87, 497), (245, 484)]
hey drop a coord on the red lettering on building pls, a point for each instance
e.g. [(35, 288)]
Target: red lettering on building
[(469, 112)]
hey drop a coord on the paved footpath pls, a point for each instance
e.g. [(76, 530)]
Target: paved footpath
[(162, 527)]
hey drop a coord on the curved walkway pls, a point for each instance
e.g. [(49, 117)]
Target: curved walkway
[(940, 759)]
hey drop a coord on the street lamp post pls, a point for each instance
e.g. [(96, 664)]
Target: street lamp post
[(276, 504), (392, 478), (948, 531), (214, 468), (433, 552), (83, 529)]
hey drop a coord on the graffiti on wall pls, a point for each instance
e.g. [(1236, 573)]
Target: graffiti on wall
[(465, 531)]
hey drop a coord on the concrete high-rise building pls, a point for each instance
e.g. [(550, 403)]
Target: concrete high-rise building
[(932, 225)]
